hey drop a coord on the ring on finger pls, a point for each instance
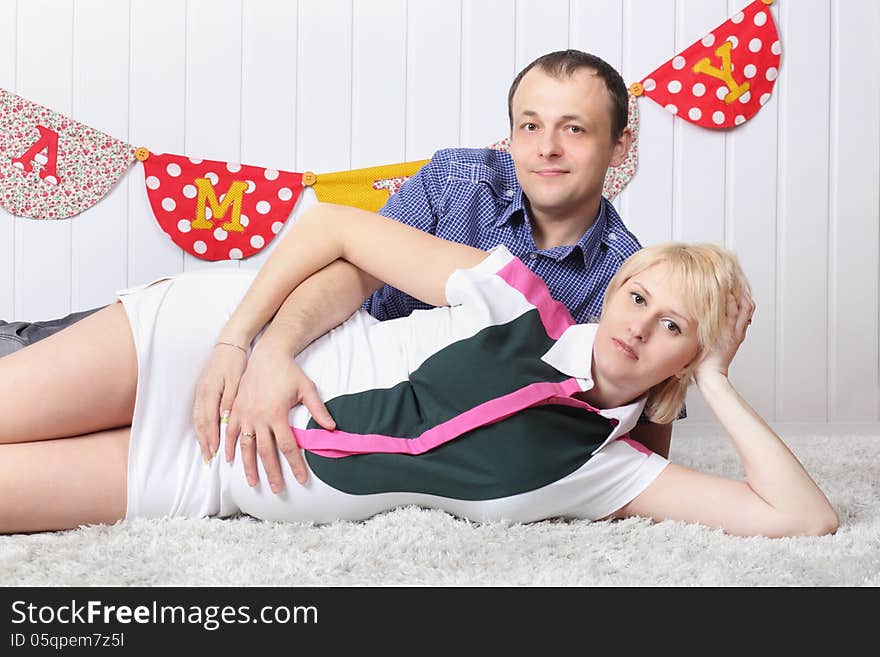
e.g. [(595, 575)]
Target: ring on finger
[(248, 434)]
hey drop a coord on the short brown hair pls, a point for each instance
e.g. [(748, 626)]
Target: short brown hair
[(566, 63)]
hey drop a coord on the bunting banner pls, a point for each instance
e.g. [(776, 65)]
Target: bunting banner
[(722, 80), (368, 188), (616, 178), (51, 166), (218, 210)]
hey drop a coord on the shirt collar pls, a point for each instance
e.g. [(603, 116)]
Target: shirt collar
[(572, 354), (588, 243), (595, 235), (515, 204)]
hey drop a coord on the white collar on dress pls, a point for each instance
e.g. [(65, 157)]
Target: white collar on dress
[(572, 354)]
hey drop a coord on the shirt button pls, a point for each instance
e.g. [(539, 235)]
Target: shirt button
[(508, 193), (533, 256), (612, 236)]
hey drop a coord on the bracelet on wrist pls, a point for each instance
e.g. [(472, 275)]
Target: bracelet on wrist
[(231, 344)]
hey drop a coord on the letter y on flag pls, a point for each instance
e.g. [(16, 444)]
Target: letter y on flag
[(722, 80)]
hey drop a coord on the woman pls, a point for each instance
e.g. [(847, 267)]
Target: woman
[(493, 405)]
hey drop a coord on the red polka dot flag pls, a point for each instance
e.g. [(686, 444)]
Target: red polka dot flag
[(723, 79), (219, 210)]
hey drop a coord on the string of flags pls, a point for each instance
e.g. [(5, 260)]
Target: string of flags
[(54, 167)]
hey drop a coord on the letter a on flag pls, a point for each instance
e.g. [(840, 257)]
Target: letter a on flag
[(52, 167), (722, 80)]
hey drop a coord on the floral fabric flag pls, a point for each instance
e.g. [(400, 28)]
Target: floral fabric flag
[(722, 80), (367, 188), (616, 178), (218, 210), (52, 167)]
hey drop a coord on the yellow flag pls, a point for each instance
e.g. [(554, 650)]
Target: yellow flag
[(368, 188)]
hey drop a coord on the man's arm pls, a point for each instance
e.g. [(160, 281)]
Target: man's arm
[(656, 437), (416, 204), (273, 382), (320, 303), (405, 257)]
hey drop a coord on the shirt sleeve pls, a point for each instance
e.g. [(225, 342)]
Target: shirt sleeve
[(416, 204)]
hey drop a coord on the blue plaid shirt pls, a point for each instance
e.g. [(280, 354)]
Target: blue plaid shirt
[(472, 196)]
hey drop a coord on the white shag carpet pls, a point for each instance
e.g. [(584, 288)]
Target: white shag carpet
[(419, 547)]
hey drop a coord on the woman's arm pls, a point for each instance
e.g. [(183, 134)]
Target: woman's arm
[(778, 497), (273, 383), (331, 259), (404, 257)]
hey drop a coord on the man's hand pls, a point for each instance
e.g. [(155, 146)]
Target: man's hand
[(215, 392), (272, 384)]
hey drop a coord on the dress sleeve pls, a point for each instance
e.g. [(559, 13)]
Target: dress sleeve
[(461, 283)]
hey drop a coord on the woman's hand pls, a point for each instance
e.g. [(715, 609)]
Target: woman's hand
[(738, 317), (272, 385), (215, 392)]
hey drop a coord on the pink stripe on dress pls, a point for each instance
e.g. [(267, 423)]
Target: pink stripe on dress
[(636, 445), (568, 401), (554, 315), (337, 444)]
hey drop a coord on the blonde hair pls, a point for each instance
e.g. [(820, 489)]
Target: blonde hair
[(708, 273)]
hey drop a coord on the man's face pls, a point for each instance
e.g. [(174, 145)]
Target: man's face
[(561, 142)]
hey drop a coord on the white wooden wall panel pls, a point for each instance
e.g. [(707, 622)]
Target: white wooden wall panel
[(268, 92), (597, 27), (854, 211), (541, 27), (269, 77), (698, 158), (488, 68), (44, 61), (647, 207), (803, 222), (158, 75), (324, 85), (327, 85), (100, 99), (156, 119), (8, 33), (378, 117), (750, 230), (213, 89), (433, 93), (698, 174)]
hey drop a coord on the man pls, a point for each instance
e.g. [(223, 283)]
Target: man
[(542, 200)]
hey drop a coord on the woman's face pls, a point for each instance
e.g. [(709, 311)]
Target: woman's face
[(645, 334)]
